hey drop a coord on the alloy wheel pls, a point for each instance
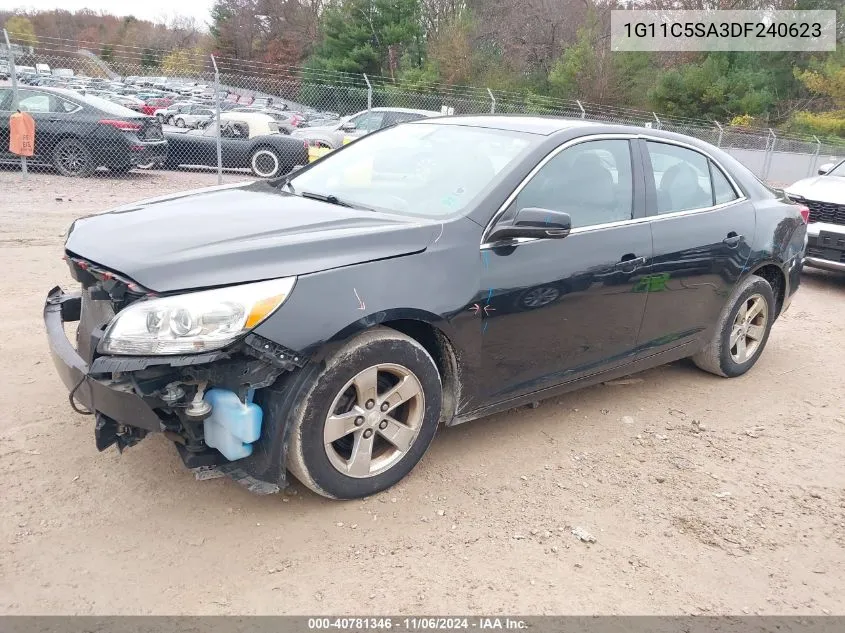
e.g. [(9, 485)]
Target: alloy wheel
[(539, 297), (749, 328), (73, 157), (374, 420)]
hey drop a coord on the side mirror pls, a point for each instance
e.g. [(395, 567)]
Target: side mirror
[(825, 168), (348, 126), (534, 222)]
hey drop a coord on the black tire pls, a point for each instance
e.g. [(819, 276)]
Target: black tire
[(169, 120), (719, 357), (122, 170), (71, 157), (265, 162), (310, 458), (180, 122)]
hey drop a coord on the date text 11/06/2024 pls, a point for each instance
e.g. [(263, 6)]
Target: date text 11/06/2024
[(416, 624)]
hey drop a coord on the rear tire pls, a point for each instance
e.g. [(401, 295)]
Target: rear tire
[(180, 122), (381, 385), (71, 157), (122, 170), (742, 330), (265, 163)]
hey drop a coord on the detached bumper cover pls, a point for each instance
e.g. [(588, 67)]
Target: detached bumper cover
[(111, 398)]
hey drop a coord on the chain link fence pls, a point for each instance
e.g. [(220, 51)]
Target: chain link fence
[(128, 110)]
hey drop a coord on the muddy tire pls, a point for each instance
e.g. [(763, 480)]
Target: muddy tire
[(742, 331), (367, 418)]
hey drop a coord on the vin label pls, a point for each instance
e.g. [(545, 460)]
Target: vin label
[(766, 30)]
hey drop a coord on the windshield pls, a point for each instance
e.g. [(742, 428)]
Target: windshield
[(428, 170), (839, 170)]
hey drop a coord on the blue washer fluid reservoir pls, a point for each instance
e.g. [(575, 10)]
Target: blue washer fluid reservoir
[(232, 426)]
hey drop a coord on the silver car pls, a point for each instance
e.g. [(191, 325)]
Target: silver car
[(824, 196), (195, 116), (333, 136)]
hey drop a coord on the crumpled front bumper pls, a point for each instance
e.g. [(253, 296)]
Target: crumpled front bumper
[(114, 399)]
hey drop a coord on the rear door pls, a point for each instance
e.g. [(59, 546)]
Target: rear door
[(702, 228)]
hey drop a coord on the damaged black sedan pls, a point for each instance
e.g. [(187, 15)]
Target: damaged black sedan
[(432, 273)]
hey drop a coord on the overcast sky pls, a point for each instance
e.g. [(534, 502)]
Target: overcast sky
[(155, 10)]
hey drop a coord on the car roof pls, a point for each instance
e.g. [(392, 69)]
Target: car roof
[(533, 124), (246, 117)]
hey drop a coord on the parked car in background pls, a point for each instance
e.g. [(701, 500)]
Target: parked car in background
[(287, 121), (248, 140), (151, 105), (331, 324), (127, 101), (824, 196), (193, 116), (165, 115), (359, 124), (76, 133)]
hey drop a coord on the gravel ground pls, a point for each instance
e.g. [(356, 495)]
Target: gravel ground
[(704, 495)]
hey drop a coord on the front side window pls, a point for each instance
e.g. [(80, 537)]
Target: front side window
[(368, 122), (591, 181), (681, 178), (839, 170), (426, 170)]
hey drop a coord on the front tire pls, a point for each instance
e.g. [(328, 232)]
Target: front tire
[(367, 418), (742, 331), (180, 122), (71, 157), (265, 163)]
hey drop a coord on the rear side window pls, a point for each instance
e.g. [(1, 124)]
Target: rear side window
[(681, 178), (722, 190)]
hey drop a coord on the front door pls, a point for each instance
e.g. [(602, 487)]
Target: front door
[(703, 230), (552, 310)]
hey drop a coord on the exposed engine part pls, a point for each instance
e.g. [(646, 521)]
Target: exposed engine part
[(172, 394), (199, 409)]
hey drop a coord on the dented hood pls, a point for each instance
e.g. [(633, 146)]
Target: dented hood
[(238, 233)]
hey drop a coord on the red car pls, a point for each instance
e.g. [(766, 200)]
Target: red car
[(151, 105)]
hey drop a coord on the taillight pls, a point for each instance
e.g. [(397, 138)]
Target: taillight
[(126, 126), (805, 214)]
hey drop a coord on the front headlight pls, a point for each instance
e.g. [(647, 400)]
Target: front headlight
[(195, 321)]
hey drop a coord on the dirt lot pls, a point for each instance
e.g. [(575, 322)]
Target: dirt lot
[(704, 495)]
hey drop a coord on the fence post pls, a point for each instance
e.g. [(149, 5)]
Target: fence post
[(659, 124), (369, 93), (217, 120), (770, 150), (815, 158), (13, 76), (492, 101), (583, 111), (721, 132)]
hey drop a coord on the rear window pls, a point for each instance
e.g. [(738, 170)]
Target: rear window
[(109, 107)]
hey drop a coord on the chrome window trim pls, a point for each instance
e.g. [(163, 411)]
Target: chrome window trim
[(595, 227)]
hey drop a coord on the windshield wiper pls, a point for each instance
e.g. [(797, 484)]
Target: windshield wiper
[(332, 200)]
